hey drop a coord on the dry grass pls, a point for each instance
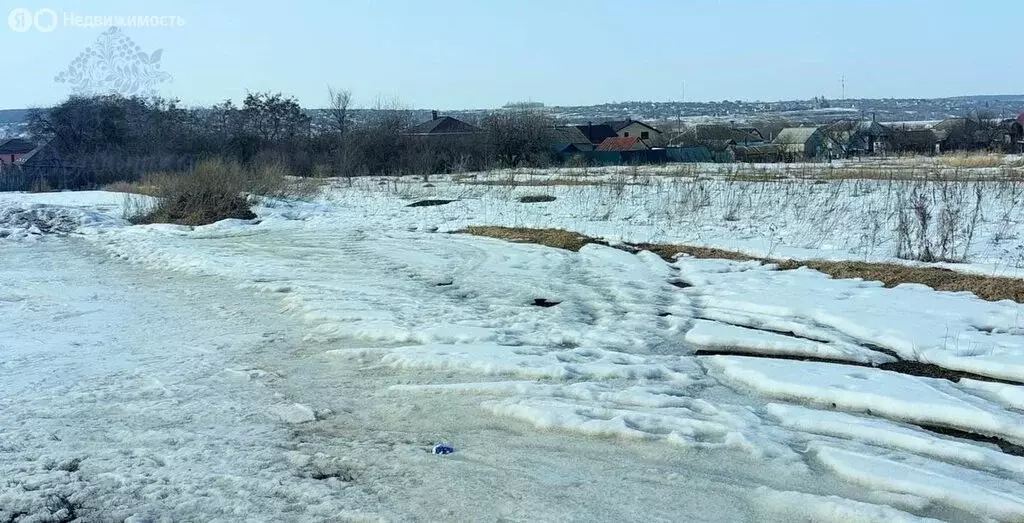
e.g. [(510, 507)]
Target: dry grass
[(670, 252), (989, 288), (972, 161), (145, 189)]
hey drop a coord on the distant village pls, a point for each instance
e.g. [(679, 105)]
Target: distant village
[(630, 141)]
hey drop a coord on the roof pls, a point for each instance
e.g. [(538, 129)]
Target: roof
[(872, 127), (950, 124), (1020, 117), (569, 148), (597, 133), (618, 125), (918, 134), (752, 131), (570, 139), (570, 134), (16, 146), (717, 132), (45, 158), (624, 143), (795, 135), (443, 126), (760, 149)]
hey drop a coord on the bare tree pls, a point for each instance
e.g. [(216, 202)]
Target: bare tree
[(341, 99), (273, 116), (842, 134), (519, 137)]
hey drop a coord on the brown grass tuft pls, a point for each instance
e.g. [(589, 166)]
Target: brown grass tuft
[(558, 238), (670, 252), (991, 288)]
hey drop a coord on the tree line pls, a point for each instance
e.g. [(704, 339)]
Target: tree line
[(110, 138)]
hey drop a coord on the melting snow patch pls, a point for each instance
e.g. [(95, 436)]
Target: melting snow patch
[(798, 506), (535, 362), (17, 223), (295, 413)]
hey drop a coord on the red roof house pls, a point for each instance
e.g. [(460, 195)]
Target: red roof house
[(12, 150), (623, 143)]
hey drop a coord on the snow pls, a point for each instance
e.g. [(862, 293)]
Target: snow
[(891, 435), (712, 335), (971, 491), (302, 366), (798, 506), (115, 396), (923, 401), (295, 413), (27, 217), (716, 205), (953, 330)]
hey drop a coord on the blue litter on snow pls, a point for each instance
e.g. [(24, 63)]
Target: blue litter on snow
[(443, 449)]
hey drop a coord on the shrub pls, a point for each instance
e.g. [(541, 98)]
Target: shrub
[(216, 190), (536, 198), (430, 203)]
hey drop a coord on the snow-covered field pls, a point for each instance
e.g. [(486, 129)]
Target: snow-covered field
[(971, 218), (301, 366)]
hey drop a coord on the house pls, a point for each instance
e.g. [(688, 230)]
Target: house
[(597, 133), (569, 140), (443, 126), (763, 153), (629, 128), (913, 140), (972, 134), (625, 150), (718, 136), (45, 167), (806, 143), (868, 137), (1012, 136), (752, 131), (12, 150), (623, 143)]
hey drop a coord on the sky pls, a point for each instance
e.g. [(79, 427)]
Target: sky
[(477, 54)]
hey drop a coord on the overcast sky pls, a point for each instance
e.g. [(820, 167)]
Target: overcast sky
[(449, 54)]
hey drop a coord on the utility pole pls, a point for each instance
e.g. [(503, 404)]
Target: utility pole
[(679, 113), (842, 80)]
